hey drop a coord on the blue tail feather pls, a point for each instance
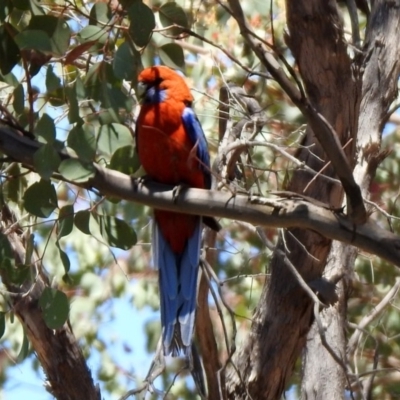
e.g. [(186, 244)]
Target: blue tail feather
[(178, 289)]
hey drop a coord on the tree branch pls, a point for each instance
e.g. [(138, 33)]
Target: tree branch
[(57, 350), (320, 125), (273, 213)]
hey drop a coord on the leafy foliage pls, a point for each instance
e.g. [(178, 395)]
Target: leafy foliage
[(68, 74)]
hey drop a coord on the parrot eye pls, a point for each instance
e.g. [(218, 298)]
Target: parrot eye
[(157, 81)]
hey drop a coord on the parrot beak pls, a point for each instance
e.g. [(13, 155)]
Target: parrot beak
[(141, 90)]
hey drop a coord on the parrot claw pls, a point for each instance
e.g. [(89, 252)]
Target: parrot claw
[(177, 190), (142, 180)]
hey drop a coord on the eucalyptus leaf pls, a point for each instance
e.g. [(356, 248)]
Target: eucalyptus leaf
[(46, 160), (46, 129), (24, 349), (55, 307), (65, 220), (116, 232), (64, 258), (53, 82), (172, 14), (125, 160), (40, 199), (2, 323), (100, 14), (142, 23), (56, 29), (82, 221), (172, 55), (113, 136), (76, 171), (6, 252), (81, 139), (19, 99)]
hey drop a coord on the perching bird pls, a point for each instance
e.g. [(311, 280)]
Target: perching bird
[(173, 150)]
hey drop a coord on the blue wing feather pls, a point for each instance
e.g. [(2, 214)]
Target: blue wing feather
[(165, 259), (189, 270), (196, 135)]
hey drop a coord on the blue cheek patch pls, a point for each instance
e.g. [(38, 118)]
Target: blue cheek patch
[(154, 95)]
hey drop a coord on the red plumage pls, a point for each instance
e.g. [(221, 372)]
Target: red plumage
[(172, 149)]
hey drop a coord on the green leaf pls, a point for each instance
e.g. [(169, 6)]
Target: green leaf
[(65, 220), (24, 349), (30, 247), (82, 140), (113, 136), (57, 31), (46, 129), (53, 82), (115, 99), (102, 85), (116, 232), (172, 55), (35, 7), (80, 89), (2, 323), (82, 221), (9, 51), (222, 16), (170, 14), (64, 258), (6, 252), (10, 79), (126, 62), (127, 3), (142, 23), (19, 99), (100, 14), (55, 307), (93, 32), (76, 171), (15, 187), (34, 39), (109, 116), (20, 274), (46, 161), (57, 97), (73, 110), (22, 4), (40, 199), (125, 160)]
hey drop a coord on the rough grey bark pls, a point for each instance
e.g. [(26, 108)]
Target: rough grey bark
[(322, 376), (381, 66), (68, 377), (285, 313), (281, 212)]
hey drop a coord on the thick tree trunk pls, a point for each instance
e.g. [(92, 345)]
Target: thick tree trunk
[(323, 377), (382, 68), (68, 377), (285, 312)]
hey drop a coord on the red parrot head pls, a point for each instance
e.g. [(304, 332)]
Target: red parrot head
[(159, 83)]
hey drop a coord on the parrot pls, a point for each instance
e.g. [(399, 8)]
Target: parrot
[(173, 150)]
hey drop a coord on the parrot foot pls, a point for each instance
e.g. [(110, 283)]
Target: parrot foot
[(177, 190), (143, 180)]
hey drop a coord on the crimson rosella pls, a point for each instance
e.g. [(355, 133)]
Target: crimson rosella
[(173, 150)]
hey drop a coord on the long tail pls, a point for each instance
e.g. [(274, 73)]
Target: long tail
[(178, 289)]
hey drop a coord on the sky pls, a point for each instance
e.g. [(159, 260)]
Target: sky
[(24, 383)]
